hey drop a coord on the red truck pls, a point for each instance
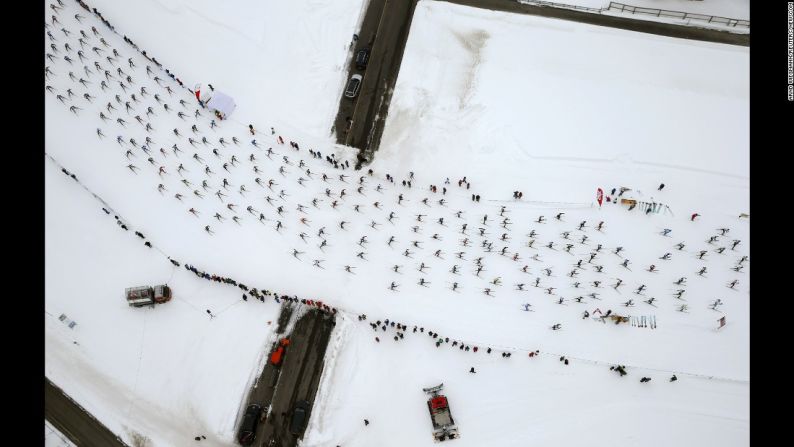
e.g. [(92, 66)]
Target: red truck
[(443, 425)]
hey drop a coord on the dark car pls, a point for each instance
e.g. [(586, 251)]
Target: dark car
[(362, 57), (247, 432), (299, 414)]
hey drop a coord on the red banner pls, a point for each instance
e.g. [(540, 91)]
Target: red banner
[(722, 321), (600, 196)]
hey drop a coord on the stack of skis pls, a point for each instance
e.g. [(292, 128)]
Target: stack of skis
[(644, 321)]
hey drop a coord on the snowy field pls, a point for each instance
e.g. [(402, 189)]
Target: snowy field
[(491, 94), (283, 61), (153, 372), (171, 373)]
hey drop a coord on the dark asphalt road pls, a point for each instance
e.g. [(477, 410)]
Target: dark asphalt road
[(369, 111), (74, 422), (366, 37), (360, 122), (296, 379)]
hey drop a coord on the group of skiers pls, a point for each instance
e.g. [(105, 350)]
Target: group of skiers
[(303, 173), (279, 225)]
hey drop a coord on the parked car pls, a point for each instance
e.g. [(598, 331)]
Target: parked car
[(353, 85), (247, 432), (299, 417), (362, 57)]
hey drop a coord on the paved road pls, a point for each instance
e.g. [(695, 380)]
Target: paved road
[(360, 122), (297, 379), (366, 37), (264, 387), (74, 422), (369, 110)]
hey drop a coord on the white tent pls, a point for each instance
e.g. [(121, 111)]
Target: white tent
[(222, 103)]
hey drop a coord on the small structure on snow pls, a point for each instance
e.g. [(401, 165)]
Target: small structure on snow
[(147, 295), (221, 104), (67, 321)]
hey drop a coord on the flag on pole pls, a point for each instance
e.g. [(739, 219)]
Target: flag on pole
[(722, 322)]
